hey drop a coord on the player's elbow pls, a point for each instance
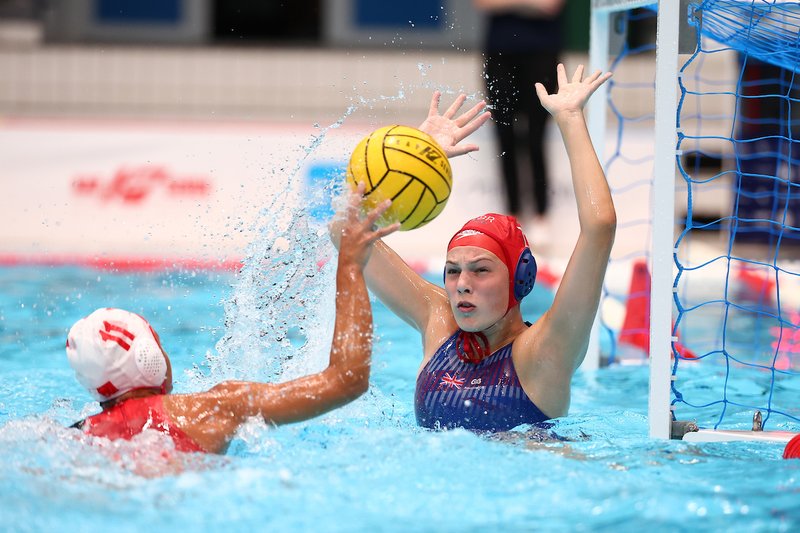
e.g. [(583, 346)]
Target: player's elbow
[(356, 382), (604, 224), (609, 222), (348, 382), (356, 389)]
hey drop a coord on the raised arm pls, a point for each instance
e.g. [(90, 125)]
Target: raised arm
[(397, 285), (564, 329), (402, 290), (212, 418)]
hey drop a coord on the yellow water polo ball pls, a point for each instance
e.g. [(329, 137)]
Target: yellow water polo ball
[(409, 167)]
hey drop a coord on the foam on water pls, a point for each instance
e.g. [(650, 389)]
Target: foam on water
[(361, 469)]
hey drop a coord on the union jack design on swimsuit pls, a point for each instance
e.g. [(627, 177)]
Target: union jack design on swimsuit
[(452, 382), (484, 396)]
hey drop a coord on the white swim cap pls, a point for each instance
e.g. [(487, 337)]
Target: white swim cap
[(114, 351)]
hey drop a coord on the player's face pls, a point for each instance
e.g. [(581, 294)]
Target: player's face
[(476, 282)]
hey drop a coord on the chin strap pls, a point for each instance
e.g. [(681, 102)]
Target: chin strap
[(472, 347)]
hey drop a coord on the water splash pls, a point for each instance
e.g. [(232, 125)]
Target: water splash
[(277, 307), (281, 307), (423, 69)]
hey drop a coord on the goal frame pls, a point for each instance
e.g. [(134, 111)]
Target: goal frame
[(671, 39)]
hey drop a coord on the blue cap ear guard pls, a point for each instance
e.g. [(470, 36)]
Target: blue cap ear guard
[(524, 274)]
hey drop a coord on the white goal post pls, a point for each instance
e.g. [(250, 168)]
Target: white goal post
[(602, 20)]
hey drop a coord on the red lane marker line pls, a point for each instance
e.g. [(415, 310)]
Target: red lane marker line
[(121, 263)]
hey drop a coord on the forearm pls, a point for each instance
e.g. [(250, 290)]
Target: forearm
[(288, 402), (596, 213), (347, 374), (352, 334), (395, 283), (399, 287)]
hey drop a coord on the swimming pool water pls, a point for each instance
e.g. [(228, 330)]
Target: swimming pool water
[(365, 467)]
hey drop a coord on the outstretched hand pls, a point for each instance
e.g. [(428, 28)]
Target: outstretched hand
[(572, 94), (357, 233), (449, 131)]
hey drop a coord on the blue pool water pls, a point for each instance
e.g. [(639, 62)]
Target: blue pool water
[(366, 467)]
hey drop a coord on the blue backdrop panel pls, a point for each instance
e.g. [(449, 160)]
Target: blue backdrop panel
[(138, 11), (426, 14)]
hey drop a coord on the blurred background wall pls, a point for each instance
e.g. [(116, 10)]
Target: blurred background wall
[(172, 122), (239, 58), (159, 128)]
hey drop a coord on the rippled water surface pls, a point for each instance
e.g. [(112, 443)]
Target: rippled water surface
[(366, 467)]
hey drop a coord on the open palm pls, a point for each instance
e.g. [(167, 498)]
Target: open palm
[(449, 131), (572, 94)]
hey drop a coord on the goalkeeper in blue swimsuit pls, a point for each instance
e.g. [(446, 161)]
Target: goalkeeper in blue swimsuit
[(483, 367)]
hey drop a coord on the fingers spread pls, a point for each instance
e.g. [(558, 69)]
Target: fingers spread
[(379, 210), (469, 115), (471, 127), (462, 149), (357, 194), (383, 232), (434, 109), (576, 78), (593, 76), (454, 107), (561, 75), (371, 231), (541, 92), (354, 201), (600, 80)]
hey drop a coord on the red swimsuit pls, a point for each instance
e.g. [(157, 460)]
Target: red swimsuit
[(129, 418)]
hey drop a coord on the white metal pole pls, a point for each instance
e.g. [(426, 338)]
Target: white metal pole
[(598, 60), (663, 218)]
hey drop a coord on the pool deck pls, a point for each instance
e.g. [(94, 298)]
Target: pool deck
[(193, 192), (176, 150)]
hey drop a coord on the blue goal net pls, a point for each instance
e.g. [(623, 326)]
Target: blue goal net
[(736, 292), (736, 255)]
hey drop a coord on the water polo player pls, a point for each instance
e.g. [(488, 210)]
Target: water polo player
[(483, 367), (118, 357)]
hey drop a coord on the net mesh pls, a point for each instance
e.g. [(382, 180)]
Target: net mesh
[(736, 308), (737, 282), (628, 160)]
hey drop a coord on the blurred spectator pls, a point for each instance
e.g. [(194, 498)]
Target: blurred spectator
[(767, 153), (523, 43)]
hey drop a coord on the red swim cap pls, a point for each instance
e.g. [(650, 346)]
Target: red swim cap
[(502, 235), (792, 450)]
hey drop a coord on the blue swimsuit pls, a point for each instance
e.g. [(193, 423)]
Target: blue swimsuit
[(486, 396)]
